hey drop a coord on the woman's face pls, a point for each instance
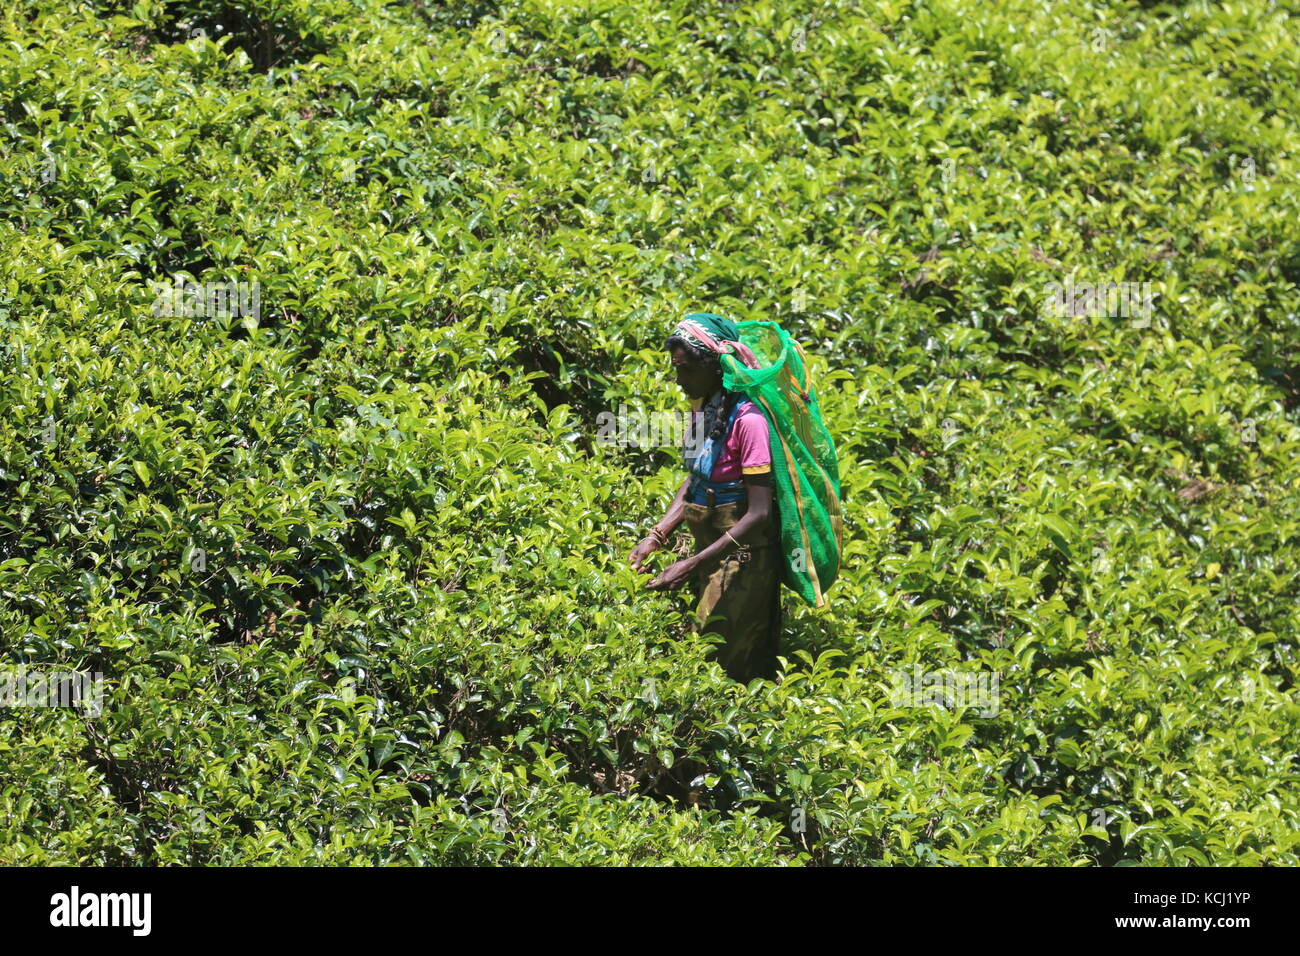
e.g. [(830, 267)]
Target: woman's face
[(694, 378)]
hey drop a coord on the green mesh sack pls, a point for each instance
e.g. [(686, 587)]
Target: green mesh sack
[(806, 472)]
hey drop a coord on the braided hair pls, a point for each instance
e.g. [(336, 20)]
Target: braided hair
[(717, 409)]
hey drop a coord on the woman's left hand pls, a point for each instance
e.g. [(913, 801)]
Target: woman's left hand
[(674, 576)]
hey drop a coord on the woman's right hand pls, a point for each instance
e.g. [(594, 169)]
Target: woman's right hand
[(647, 546)]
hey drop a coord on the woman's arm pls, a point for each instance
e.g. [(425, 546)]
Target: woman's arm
[(759, 491), (676, 513)]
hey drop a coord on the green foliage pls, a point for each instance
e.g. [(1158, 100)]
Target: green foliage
[(355, 571)]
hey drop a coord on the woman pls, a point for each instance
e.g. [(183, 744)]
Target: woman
[(727, 502)]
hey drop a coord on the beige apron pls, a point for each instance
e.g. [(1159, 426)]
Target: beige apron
[(740, 598)]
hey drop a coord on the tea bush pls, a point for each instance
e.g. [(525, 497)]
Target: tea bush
[(354, 567)]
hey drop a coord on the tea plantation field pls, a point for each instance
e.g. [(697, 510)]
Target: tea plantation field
[(353, 565)]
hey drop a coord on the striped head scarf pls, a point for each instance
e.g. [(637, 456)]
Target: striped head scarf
[(714, 333)]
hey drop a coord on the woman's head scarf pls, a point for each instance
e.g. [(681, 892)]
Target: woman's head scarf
[(714, 333)]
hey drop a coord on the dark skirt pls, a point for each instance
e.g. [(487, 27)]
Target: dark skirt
[(740, 598)]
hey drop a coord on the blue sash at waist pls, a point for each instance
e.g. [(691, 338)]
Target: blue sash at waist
[(724, 492)]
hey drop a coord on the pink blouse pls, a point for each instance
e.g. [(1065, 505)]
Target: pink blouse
[(748, 448)]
